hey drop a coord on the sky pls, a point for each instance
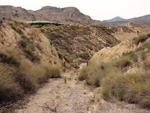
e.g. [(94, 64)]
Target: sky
[(97, 9)]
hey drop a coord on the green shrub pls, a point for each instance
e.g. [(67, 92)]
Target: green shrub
[(142, 53), (123, 62), (84, 73), (94, 78), (144, 46), (141, 38)]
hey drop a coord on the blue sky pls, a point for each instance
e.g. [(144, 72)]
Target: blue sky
[(97, 9)]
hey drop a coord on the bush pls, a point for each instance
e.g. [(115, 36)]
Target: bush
[(144, 46), (123, 62), (16, 82), (10, 91), (25, 80), (55, 73), (93, 74), (84, 73), (129, 88), (9, 59), (141, 38), (142, 53), (28, 47)]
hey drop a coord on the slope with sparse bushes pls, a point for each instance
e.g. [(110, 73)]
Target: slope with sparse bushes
[(77, 43), (125, 75), (27, 60)]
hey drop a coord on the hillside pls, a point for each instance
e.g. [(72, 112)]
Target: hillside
[(27, 60), (78, 43), (15, 34), (69, 15), (128, 31), (122, 71)]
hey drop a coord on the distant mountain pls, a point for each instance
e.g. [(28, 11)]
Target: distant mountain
[(142, 20), (145, 17), (115, 19), (69, 15)]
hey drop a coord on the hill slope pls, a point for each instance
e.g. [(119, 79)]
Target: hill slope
[(77, 43), (27, 60), (69, 15), (122, 71)]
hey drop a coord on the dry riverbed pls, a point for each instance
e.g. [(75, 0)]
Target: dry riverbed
[(74, 96)]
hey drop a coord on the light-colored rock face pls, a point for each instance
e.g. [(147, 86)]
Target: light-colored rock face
[(107, 54), (9, 39)]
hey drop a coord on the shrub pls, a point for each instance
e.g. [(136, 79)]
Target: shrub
[(144, 46), (142, 53), (10, 91), (141, 38), (129, 88), (28, 47), (9, 59), (55, 72), (25, 80), (94, 78), (123, 62), (84, 73)]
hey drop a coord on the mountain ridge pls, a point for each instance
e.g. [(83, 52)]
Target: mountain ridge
[(141, 20), (67, 15), (117, 18)]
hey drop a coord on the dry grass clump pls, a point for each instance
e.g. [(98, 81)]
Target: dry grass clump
[(28, 47), (130, 88), (93, 74), (123, 61), (10, 91)]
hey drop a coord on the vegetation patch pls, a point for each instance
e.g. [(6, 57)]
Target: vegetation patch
[(18, 80), (141, 38), (45, 23), (115, 80), (130, 88), (28, 47)]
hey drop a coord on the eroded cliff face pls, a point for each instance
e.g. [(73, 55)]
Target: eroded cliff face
[(78, 43), (32, 43)]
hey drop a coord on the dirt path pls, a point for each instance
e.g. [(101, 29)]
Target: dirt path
[(72, 97)]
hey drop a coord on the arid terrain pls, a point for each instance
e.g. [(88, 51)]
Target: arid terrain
[(73, 96), (58, 60)]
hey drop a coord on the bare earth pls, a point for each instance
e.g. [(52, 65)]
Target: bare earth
[(73, 97)]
